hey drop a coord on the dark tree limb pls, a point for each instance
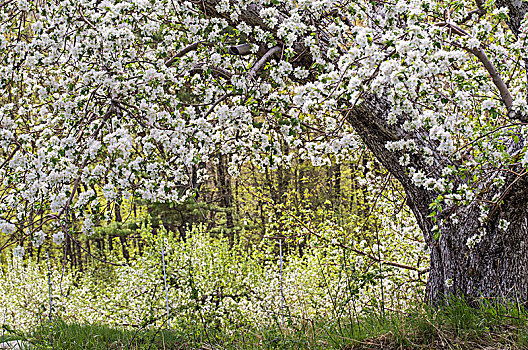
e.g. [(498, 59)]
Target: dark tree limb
[(15, 150), (185, 51), (217, 71)]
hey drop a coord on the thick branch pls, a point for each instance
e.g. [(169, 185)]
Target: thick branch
[(262, 61), (504, 91), (240, 50), (495, 76)]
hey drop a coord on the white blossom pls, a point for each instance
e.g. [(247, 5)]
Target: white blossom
[(58, 237), (38, 238), (18, 252)]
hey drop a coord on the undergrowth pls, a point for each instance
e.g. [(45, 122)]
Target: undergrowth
[(453, 326)]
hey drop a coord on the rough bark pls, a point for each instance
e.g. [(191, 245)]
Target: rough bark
[(496, 268), (517, 10)]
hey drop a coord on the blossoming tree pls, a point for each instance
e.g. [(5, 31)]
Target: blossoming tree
[(105, 99)]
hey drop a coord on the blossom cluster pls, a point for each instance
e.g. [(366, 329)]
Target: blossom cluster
[(106, 100)]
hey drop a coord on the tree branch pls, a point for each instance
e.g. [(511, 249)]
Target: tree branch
[(17, 147), (185, 51), (262, 61), (495, 76), (480, 11), (6, 3), (504, 92), (217, 71), (220, 100), (240, 50)]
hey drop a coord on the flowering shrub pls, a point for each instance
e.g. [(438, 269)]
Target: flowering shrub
[(210, 286)]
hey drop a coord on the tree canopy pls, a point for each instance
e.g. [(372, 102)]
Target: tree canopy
[(104, 100)]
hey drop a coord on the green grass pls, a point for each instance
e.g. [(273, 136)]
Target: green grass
[(456, 326), (61, 335)]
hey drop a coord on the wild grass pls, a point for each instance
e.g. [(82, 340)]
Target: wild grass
[(62, 335), (453, 326)]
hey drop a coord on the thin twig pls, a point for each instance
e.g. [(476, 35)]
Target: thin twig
[(10, 156), (6, 3)]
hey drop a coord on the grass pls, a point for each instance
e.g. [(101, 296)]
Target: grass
[(456, 326), (62, 335)]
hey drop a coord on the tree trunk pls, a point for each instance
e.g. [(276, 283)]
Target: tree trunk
[(337, 185), (68, 251), (122, 239), (78, 255), (497, 267), (110, 243), (89, 250), (226, 196)]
